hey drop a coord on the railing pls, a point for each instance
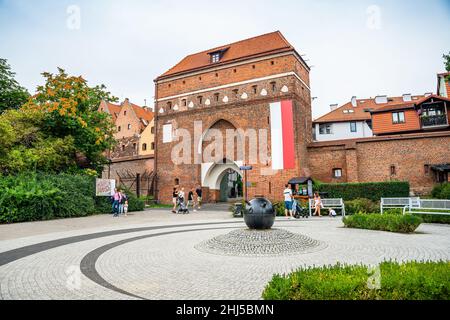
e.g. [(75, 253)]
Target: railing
[(441, 207), (431, 121)]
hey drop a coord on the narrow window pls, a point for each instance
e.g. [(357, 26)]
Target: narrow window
[(217, 75), (393, 170), (184, 102), (216, 97), (170, 85), (253, 66), (153, 146), (255, 89), (337, 173), (200, 99), (427, 169), (169, 105), (125, 113), (184, 82), (134, 146), (234, 70), (274, 86), (272, 62), (353, 126), (123, 147), (129, 126), (235, 92), (177, 181), (144, 147), (119, 128), (200, 78), (152, 130)]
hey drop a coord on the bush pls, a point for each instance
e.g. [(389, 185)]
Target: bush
[(361, 205), (408, 281), (37, 196), (373, 191), (383, 222), (441, 191), (279, 208)]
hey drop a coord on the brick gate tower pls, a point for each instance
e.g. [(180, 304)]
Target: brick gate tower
[(258, 88)]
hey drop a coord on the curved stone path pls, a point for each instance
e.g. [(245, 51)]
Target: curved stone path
[(159, 259)]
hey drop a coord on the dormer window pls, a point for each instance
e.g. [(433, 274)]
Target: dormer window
[(215, 57)]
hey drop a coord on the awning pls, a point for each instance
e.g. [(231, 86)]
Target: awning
[(441, 167), (299, 180)]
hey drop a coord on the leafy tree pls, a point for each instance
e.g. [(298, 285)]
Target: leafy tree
[(12, 95), (447, 61), (69, 108)]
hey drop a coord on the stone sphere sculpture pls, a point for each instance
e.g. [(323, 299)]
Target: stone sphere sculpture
[(259, 214)]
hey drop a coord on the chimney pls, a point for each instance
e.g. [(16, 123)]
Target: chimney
[(381, 99), (333, 106), (354, 102), (407, 97)]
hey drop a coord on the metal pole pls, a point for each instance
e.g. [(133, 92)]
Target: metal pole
[(138, 185), (246, 186)]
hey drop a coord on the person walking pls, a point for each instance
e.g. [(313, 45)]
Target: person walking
[(198, 191), (317, 204), (123, 200), (116, 201), (174, 199), (190, 200), (288, 202)]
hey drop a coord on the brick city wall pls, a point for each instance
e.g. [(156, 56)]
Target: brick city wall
[(371, 159)]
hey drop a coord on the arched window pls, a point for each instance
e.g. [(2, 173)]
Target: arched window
[(144, 147), (129, 126)]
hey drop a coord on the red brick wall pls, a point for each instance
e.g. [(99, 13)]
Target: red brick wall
[(370, 160)]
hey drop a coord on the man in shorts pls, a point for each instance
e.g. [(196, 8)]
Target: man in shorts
[(288, 202)]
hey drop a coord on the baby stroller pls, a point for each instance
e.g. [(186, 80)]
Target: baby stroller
[(182, 208), (298, 210)]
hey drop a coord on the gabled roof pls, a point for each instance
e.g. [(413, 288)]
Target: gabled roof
[(142, 113), (408, 105), (269, 43), (112, 109), (362, 110)]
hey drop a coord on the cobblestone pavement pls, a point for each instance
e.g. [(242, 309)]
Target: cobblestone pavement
[(153, 256)]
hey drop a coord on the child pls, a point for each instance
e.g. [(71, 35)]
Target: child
[(332, 213), (125, 208)]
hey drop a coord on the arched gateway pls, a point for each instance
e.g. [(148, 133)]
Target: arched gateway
[(223, 180)]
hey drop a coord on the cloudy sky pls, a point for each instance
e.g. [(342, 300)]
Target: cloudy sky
[(356, 47)]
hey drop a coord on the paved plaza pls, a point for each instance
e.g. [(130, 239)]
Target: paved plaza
[(154, 255)]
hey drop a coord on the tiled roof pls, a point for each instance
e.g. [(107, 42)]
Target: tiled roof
[(407, 105), (362, 110), (264, 44), (114, 110)]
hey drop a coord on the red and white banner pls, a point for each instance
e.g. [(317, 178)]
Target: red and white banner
[(282, 135)]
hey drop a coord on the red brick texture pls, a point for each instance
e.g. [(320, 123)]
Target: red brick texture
[(370, 159)]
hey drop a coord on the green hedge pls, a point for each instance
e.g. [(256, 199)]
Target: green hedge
[(383, 222), (373, 191), (362, 205), (441, 191), (31, 197), (408, 281)]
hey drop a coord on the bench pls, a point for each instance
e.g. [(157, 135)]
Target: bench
[(398, 203), (328, 204), (441, 207)]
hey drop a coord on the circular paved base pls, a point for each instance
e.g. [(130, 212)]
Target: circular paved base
[(273, 242)]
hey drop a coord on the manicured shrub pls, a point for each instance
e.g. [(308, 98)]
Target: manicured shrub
[(361, 205), (407, 281), (373, 191), (383, 222), (441, 191), (36, 196)]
